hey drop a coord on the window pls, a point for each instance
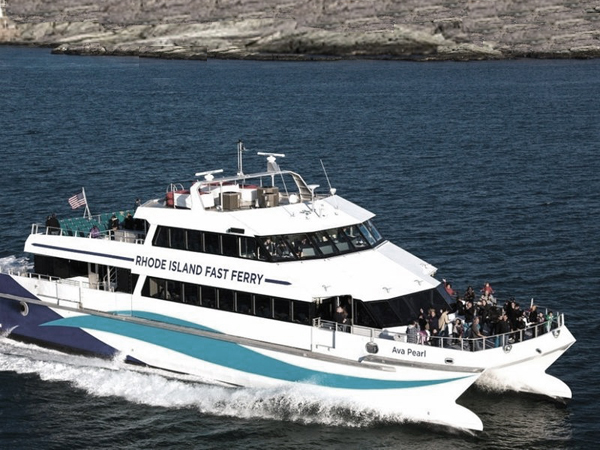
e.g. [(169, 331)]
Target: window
[(209, 296), (244, 303), (212, 243), (248, 248), (194, 243), (324, 244), (367, 234), (262, 305), (230, 245), (190, 294), (161, 237), (319, 244), (178, 238), (225, 299), (174, 291), (301, 312), (281, 309)]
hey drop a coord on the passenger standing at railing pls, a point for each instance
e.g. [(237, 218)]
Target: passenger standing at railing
[(458, 330), (443, 322), (52, 225), (469, 313), (476, 335), (502, 327), (549, 320), (412, 332), (433, 322)]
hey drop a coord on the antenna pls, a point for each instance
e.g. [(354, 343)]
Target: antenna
[(271, 157), (240, 150), (208, 175), (332, 191)]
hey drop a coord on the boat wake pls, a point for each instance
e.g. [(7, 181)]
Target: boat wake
[(16, 264), (153, 387)]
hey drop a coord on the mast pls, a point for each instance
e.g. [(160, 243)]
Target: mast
[(86, 212)]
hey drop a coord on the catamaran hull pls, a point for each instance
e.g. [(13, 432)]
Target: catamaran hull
[(404, 391)]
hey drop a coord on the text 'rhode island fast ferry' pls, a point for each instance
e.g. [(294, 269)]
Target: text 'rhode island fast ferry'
[(258, 281)]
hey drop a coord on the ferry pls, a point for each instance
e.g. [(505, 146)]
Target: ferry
[(257, 280)]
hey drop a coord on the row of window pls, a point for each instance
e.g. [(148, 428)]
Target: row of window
[(229, 300), (289, 247)]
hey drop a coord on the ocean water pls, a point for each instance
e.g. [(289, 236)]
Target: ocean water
[(487, 170)]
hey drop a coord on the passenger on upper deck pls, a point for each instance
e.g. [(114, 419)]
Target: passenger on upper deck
[(52, 224), (128, 223), (487, 289), (448, 286), (113, 223)]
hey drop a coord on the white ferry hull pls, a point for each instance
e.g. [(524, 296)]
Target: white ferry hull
[(173, 345)]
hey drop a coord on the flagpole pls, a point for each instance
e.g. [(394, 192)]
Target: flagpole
[(87, 208)]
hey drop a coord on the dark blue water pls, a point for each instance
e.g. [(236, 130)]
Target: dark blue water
[(487, 170)]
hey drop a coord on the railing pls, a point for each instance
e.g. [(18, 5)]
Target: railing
[(505, 340), (38, 276), (133, 237)]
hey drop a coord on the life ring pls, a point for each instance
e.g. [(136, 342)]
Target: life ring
[(24, 307), (507, 348)]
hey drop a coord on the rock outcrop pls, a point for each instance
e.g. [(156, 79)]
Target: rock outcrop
[(310, 29)]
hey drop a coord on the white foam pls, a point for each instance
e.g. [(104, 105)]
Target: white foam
[(16, 264), (104, 378)]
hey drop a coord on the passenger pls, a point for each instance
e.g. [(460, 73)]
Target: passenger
[(129, 223), (476, 335), (483, 312), (469, 313), (422, 320), (95, 232), (470, 295), (460, 306), (458, 330), (434, 329), (113, 223), (443, 322), (424, 335), (448, 286), (52, 224), (515, 318), (487, 289), (501, 330), (269, 247), (531, 314), (412, 332), (549, 319), (540, 323), (340, 315)]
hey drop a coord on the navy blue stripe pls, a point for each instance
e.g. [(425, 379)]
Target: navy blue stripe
[(285, 283), (105, 255)]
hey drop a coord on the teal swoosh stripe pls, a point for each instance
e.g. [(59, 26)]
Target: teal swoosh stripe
[(231, 355)]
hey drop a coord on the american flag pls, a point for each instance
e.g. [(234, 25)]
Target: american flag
[(77, 201)]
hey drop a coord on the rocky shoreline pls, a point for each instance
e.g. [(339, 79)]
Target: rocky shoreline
[(309, 29)]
